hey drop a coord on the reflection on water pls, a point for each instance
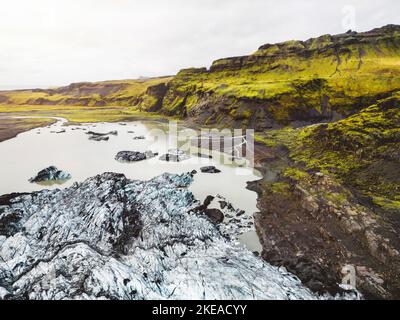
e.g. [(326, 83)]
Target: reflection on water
[(51, 183), (250, 239), (72, 151)]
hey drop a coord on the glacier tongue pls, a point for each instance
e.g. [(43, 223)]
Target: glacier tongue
[(114, 238)]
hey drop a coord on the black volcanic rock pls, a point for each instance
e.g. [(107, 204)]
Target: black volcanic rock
[(50, 173), (96, 136), (134, 156), (215, 215), (99, 138), (210, 169)]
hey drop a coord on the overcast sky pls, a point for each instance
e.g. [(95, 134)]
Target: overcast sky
[(47, 43)]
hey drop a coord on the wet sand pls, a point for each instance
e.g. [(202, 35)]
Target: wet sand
[(11, 127)]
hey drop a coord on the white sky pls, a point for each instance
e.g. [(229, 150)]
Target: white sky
[(47, 42)]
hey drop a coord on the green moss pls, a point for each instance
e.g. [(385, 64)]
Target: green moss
[(191, 102), (336, 198), (273, 138), (361, 151), (387, 203), (240, 114), (280, 187), (147, 102), (296, 174), (176, 105)]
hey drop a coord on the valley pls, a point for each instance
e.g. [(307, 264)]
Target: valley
[(326, 115)]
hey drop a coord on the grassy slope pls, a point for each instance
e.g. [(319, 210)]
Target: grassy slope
[(115, 93)]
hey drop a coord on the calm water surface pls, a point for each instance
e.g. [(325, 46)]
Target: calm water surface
[(23, 156)]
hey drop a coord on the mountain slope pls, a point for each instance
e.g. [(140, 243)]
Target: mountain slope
[(112, 93), (293, 82)]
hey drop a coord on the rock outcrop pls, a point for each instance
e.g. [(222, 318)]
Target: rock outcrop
[(114, 238)]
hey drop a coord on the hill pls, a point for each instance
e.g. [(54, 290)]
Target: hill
[(290, 83)]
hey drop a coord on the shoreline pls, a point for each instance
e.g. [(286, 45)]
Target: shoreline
[(12, 127)]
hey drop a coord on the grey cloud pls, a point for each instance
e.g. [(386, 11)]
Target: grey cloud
[(46, 43)]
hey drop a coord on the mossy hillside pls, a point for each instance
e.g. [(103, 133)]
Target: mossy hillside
[(361, 151), (291, 83), (115, 93), (318, 79)]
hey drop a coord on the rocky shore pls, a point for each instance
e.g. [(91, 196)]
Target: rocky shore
[(315, 227)]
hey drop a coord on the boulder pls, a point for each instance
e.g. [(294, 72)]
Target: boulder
[(61, 131), (99, 138), (210, 169), (215, 215), (134, 156), (96, 136), (50, 173), (111, 133)]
